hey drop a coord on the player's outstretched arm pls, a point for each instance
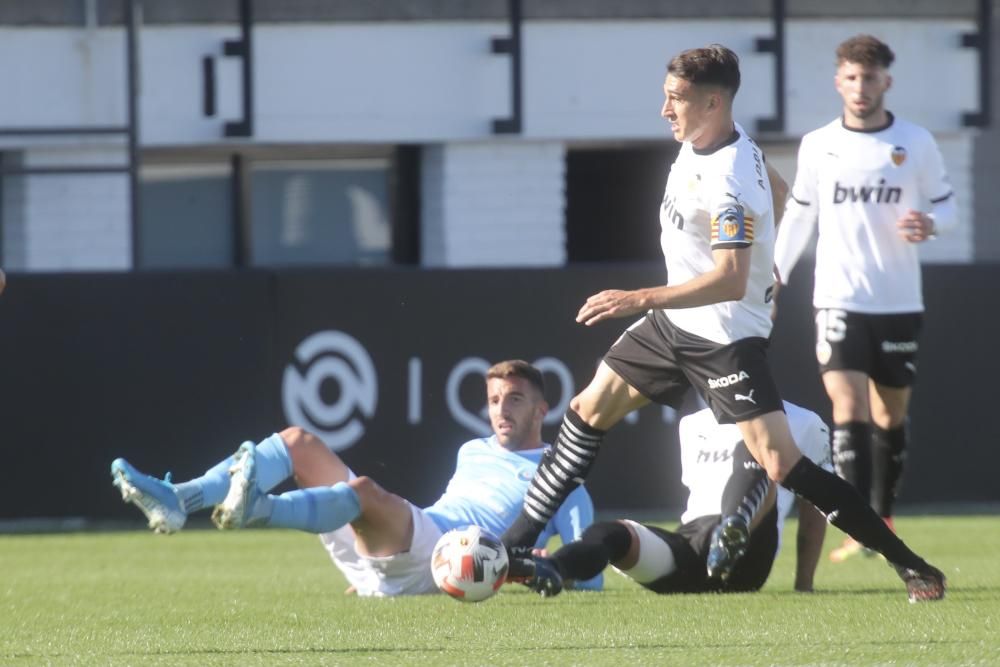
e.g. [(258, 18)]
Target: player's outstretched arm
[(726, 281), (809, 544)]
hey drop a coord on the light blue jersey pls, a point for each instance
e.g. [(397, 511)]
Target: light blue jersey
[(488, 490)]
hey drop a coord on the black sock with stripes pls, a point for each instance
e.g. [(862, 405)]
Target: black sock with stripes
[(888, 458), (746, 488), (563, 467), (852, 455), (847, 510)]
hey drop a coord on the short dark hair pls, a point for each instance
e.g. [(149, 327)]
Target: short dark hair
[(865, 50), (712, 65), (520, 369)]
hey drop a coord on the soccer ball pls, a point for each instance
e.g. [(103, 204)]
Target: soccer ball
[(469, 564)]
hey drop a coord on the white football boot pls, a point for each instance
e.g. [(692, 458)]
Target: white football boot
[(236, 510)]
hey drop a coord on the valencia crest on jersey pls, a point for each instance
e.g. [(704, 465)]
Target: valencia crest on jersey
[(898, 155)]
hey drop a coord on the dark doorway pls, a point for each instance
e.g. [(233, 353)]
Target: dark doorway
[(613, 200)]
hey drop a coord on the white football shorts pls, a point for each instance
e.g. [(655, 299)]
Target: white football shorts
[(405, 573)]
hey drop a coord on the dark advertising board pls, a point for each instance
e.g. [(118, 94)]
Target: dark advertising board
[(174, 370)]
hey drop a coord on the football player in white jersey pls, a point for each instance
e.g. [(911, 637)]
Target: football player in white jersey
[(675, 561), (707, 328), (380, 541), (877, 187)]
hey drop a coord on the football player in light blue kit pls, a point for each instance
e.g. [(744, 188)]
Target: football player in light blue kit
[(380, 541)]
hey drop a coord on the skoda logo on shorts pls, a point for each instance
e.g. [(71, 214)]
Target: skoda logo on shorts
[(330, 387)]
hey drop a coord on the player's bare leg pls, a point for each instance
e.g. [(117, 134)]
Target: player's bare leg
[(848, 392), (564, 466), (384, 524), (313, 464), (852, 440), (768, 438), (889, 406), (770, 442), (327, 498), (607, 399)]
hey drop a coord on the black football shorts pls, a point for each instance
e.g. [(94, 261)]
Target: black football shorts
[(884, 347), (662, 361)]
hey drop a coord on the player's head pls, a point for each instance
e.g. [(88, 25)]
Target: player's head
[(863, 76), (515, 396), (699, 91)]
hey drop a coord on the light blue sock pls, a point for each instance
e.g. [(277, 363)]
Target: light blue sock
[(208, 490), (319, 509), (274, 465)]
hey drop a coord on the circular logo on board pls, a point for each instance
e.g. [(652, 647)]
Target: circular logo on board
[(330, 388)]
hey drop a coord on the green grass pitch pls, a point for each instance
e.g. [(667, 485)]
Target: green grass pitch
[(272, 598)]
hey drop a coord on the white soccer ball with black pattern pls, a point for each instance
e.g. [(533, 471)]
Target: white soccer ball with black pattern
[(469, 564)]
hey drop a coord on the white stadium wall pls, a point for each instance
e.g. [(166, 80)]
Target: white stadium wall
[(427, 82), (67, 222), (63, 76), (934, 80), (438, 85), (493, 204), (957, 245)]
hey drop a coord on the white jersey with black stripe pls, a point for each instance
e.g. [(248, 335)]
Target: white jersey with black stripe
[(707, 457), (857, 184), (715, 200)]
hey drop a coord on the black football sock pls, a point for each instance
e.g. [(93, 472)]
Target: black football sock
[(888, 458), (852, 455), (847, 510), (602, 543), (563, 467), (746, 488)]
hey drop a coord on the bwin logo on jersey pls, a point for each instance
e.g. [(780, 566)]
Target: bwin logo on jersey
[(668, 209), (874, 194), (719, 383), (330, 356)]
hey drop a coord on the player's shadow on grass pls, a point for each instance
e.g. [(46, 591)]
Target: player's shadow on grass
[(987, 592), (526, 597), (679, 645)]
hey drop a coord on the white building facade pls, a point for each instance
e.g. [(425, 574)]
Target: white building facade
[(334, 96)]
